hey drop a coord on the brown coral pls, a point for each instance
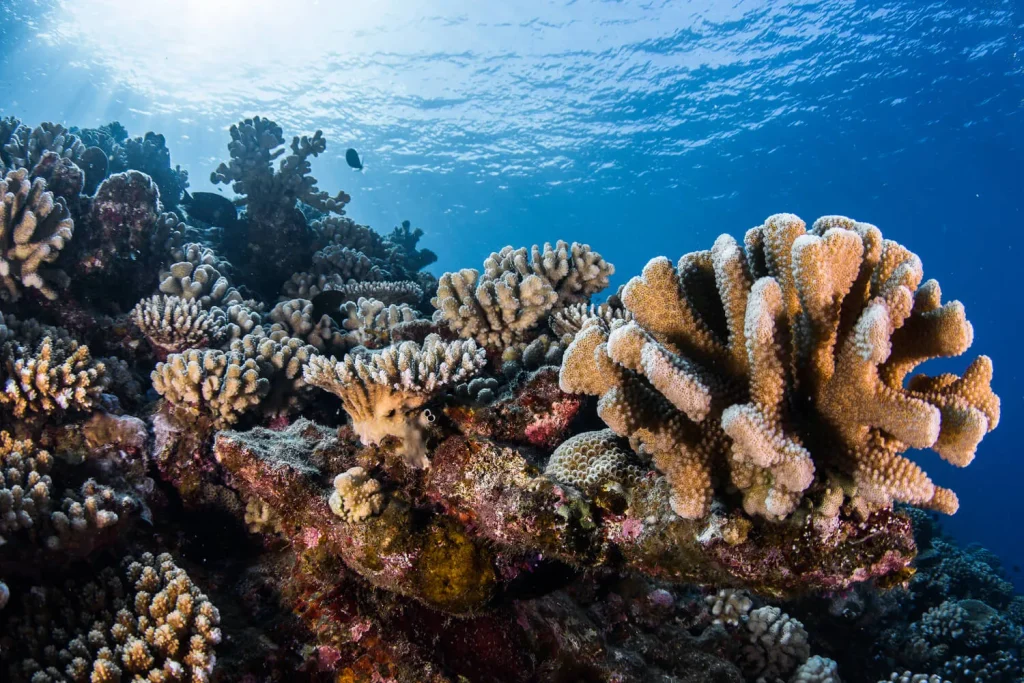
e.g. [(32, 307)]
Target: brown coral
[(783, 364), (55, 375)]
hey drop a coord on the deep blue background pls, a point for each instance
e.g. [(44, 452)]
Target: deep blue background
[(643, 128)]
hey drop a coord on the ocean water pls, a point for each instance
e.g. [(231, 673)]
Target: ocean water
[(643, 128)]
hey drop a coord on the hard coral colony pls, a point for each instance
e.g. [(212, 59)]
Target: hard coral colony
[(345, 454)]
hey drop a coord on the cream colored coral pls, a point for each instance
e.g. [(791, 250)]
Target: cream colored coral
[(222, 385), (201, 282), (56, 376), (148, 622), (34, 227), (368, 322), (345, 232), (907, 677), (817, 669), (26, 146), (351, 265), (729, 606), (785, 361), (356, 495), (383, 391), (574, 272), (777, 644), (592, 461), (260, 518), (309, 285), (566, 322), (282, 361), (294, 318), (174, 324)]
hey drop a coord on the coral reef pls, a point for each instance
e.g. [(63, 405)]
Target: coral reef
[(724, 350), (447, 503)]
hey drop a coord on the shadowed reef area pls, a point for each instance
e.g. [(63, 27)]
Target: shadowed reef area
[(253, 440)]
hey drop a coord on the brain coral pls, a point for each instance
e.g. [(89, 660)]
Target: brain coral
[(783, 363)]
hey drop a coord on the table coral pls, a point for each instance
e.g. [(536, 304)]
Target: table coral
[(34, 227), (384, 391), (724, 349)]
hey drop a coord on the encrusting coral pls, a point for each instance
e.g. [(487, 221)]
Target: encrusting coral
[(34, 227), (384, 391), (725, 353), (147, 622), (593, 461)]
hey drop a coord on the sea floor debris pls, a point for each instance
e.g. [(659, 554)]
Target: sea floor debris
[(342, 468)]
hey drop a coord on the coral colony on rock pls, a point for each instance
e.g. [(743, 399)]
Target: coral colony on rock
[(271, 447)]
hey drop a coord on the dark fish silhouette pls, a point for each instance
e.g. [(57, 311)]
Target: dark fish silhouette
[(211, 208), (94, 165), (328, 303), (352, 157)]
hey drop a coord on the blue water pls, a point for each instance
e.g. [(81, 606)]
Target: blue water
[(643, 128)]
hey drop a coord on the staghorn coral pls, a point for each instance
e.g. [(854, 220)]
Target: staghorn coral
[(384, 391), (45, 380), (294, 318), (34, 227), (725, 350), (595, 461), (146, 622), (368, 322), (172, 324), (221, 385), (356, 495), (516, 292)]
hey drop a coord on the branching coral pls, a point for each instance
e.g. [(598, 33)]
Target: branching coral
[(34, 227), (309, 286), (173, 324), (221, 385), (202, 282), (384, 391), (368, 322), (282, 360), (356, 495), (147, 622), (150, 155), (517, 291), (344, 232), (295, 319), (350, 265), (45, 380), (255, 144), (778, 644), (566, 322), (729, 606), (784, 363), (25, 147)]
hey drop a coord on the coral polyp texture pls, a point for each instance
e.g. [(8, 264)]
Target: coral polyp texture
[(34, 227), (384, 391), (783, 365), (381, 476)]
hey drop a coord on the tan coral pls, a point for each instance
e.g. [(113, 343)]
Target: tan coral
[(384, 391), (34, 227), (356, 495), (221, 385), (517, 291), (594, 461), (199, 280), (368, 322), (783, 364), (566, 322), (294, 318), (173, 324), (146, 622), (54, 376)]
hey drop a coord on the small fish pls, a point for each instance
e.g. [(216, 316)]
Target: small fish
[(352, 157), (211, 208)]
